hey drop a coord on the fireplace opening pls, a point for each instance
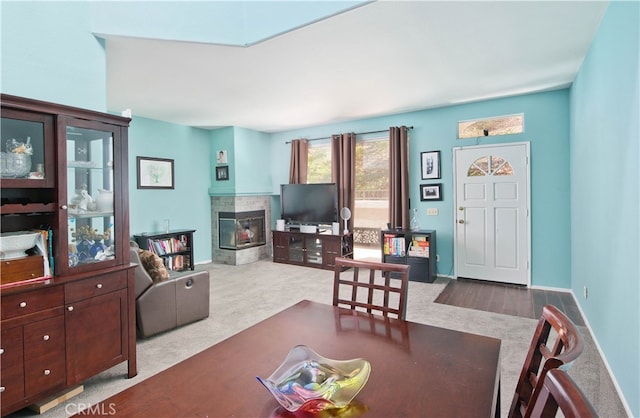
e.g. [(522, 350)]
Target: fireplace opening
[(240, 230)]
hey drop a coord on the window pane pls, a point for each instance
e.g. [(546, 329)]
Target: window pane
[(319, 164), (372, 189)]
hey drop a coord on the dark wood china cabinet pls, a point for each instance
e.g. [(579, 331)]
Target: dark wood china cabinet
[(64, 175)]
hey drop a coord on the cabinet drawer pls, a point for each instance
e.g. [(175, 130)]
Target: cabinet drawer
[(11, 348), (25, 303), (21, 269), (11, 376), (11, 385), (43, 337), (44, 373), (96, 286)]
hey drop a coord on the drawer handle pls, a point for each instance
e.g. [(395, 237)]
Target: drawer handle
[(70, 308), (99, 285), (46, 372), (1, 350), (23, 304), (45, 337), (1, 389)]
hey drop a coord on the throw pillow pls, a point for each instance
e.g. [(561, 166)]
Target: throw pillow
[(154, 266)]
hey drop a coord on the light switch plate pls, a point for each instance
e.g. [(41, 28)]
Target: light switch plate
[(432, 211)]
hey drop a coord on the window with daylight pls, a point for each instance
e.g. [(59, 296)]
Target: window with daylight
[(491, 165), (501, 125), (319, 162)]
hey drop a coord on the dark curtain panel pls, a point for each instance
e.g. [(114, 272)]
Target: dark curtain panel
[(399, 177), (343, 172), (299, 160)]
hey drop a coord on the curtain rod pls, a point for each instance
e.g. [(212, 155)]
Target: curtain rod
[(357, 133)]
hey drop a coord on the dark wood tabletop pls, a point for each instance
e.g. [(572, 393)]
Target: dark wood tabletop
[(416, 370)]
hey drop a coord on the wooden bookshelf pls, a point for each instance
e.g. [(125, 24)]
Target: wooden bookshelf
[(175, 248)]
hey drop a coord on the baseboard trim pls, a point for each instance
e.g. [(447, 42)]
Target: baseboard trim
[(625, 404)]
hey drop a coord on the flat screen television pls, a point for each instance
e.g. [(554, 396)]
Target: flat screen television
[(309, 204)]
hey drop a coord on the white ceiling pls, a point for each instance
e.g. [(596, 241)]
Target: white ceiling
[(381, 58)]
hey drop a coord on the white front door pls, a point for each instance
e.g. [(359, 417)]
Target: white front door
[(491, 205)]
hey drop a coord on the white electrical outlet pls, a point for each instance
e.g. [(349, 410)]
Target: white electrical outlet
[(586, 292), (432, 211), (437, 257)]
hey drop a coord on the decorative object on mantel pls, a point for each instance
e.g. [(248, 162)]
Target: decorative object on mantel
[(430, 164), (308, 382)]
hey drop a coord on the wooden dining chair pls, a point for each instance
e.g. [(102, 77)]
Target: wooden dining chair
[(544, 354), (377, 292), (559, 391)]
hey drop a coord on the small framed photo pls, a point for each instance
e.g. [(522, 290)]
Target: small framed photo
[(222, 173), (430, 164), (431, 191), (155, 173), (221, 156)]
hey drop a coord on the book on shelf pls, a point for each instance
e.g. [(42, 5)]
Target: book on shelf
[(174, 263), (419, 246), (167, 245), (394, 245)]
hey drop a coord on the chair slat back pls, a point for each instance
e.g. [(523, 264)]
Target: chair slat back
[(565, 349), (378, 292), (559, 391)]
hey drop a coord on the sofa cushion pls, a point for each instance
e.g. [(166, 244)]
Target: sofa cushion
[(154, 266)]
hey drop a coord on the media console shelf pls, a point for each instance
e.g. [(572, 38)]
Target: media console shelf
[(414, 248), (309, 249), (175, 248)]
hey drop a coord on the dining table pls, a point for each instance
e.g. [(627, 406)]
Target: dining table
[(417, 370)]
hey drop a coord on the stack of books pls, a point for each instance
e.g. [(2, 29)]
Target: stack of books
[(419, 247), (394, 245)]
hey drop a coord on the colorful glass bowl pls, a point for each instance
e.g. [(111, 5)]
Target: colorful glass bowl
[(306, 381)]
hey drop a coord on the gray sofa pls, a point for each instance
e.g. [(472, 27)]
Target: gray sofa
[(166, 305)]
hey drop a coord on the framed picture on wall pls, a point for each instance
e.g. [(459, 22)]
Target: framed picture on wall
[(221, 156), (431, 191), (222, 173), (430, 164), (155, 173)]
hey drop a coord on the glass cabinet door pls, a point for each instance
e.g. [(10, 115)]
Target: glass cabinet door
[(89, 193), (314, 250), (27, 152)]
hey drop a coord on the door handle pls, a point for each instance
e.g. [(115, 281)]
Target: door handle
[(461, 221)]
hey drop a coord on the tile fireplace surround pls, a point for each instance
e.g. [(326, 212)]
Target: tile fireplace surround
[(239, 204)]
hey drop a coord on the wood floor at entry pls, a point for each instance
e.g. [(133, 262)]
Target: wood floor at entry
[(506, 299)]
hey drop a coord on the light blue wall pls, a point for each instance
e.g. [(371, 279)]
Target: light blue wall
[(604, 192), (187, 206), (547, 130), (49, 53), (223, 139), (248, 160)]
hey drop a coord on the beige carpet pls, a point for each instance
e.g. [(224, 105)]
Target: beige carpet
[(244, 295)]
